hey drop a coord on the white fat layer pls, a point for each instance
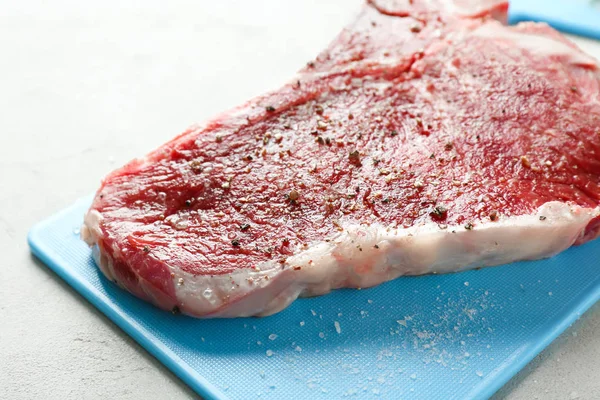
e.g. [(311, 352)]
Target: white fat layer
[(468, 8), (90, 231), (364, 256), (539, 44), (352, 260)]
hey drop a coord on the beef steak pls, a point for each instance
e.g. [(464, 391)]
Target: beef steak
[(427, 138)]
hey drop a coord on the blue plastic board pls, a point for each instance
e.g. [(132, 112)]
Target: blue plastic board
[(456, 336), (576, 17)]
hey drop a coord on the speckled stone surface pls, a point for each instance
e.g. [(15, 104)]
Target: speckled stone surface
[(87, 86)]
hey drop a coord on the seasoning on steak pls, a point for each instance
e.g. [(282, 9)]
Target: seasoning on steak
[(425, 139)]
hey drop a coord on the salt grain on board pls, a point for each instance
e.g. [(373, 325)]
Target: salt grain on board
[(338, 328), (272, 336), (269, 353)]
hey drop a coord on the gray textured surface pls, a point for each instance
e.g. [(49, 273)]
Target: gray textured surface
[(84, 88)]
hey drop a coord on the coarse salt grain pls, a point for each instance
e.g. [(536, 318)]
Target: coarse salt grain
[(338, 328)]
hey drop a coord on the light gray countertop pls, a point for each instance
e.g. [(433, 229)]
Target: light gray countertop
[(85, 87)]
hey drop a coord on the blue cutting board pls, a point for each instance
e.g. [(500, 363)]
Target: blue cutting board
[(457, 336), (580, 17)]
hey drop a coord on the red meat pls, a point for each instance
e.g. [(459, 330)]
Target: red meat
[(425, 139)]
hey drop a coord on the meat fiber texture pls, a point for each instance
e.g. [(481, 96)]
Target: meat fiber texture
[(427, 138)]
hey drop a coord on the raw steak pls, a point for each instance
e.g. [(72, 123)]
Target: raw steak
[(426, 139)]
